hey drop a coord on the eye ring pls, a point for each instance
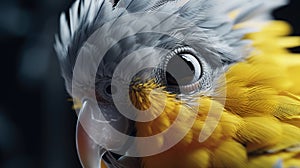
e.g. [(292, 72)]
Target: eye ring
[(187, 68)]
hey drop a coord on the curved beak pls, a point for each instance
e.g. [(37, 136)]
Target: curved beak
[(95, 134), (89, 152)]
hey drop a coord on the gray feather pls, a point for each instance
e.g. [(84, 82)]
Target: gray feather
[(207, 14), (204, 25)]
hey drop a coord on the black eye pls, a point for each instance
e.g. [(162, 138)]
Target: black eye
[(183, 69), (110, 89)]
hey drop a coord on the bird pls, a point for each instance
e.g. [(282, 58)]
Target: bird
[(181, 83)]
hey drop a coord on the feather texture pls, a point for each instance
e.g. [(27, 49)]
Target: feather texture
[(259, 123), (259, 126), (212, 17)]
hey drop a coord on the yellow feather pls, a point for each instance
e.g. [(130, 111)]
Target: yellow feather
[(230, 154), (289, 139), (259, 132), (259, 124), (197, 158), (270, 160), (293, 120)]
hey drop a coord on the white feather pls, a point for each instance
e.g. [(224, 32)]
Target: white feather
[(64, 30), (74, 17), (212, 16)]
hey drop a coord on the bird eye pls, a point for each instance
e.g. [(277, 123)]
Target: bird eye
[(182, 70)]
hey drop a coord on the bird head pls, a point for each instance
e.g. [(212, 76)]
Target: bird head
[(150, 75)]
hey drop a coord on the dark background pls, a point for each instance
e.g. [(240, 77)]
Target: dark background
[(37, 125)]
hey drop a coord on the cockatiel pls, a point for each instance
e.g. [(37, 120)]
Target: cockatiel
[(182, 83)]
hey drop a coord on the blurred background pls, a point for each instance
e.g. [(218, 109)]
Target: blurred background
[(37, 123)]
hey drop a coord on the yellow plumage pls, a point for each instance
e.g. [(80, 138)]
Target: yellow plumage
[(249, 118), (259, 125)]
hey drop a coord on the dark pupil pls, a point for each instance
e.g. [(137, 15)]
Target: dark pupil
[(110, 89), (180, 71)]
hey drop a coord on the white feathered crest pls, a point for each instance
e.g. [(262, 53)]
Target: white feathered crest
[(85, 16)]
